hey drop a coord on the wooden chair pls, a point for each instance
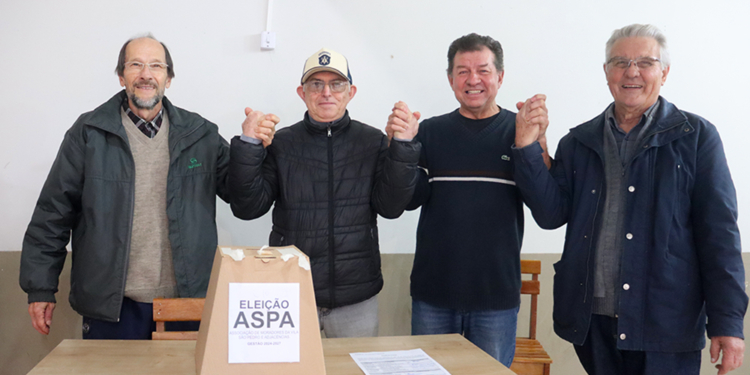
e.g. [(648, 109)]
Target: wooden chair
[(176, 310), (531, 358)]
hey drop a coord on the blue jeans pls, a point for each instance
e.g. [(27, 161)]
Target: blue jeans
[(493, 331)]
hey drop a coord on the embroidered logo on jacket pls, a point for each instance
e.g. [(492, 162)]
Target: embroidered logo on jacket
[(194, 163)]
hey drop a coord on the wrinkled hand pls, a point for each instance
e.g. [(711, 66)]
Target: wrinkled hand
[(41, 316), (259, 125), (733, 349), (402, 123), (531, 120)]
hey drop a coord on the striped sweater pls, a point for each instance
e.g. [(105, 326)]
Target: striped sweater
[(471, 224)]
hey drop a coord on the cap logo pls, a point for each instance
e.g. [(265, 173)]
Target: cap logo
[(324, 58)]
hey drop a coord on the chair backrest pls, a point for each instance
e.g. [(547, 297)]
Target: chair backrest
[(531, 287), (176, 310)]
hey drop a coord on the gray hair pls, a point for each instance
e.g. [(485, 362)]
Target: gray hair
[(120, 69), (645, 31)]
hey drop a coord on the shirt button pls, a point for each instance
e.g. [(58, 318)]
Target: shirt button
[(626, 286), (622, 336), (629, 236), (631, 189), (593, 191)]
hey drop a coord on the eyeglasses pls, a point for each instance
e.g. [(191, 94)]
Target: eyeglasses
[(317, 86), (154, 67), (642, 63)]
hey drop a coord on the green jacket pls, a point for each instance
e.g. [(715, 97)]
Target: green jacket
[(90, 191)]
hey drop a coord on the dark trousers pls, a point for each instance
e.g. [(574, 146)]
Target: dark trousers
[(599, 355), (136, 323)]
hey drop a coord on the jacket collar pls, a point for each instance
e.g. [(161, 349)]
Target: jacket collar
[(666, 128), (336, 126), (107, 117)]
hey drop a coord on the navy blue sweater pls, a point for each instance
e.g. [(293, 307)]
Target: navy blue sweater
[(471, 224)]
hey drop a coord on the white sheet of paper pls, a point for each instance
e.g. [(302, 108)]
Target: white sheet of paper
[(263, 322), (398, 362)]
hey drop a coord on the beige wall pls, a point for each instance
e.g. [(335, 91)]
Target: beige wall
[(21, 347)]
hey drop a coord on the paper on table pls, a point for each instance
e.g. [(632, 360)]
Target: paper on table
[(398, 362)]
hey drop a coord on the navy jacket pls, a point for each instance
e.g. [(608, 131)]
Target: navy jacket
[(681, 260)]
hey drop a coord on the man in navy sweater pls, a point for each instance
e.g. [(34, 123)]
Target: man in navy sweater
[(466, 277)]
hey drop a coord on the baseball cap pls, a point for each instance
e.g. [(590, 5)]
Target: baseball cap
[(326, 60)]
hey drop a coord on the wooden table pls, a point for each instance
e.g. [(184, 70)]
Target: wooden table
[(454, 352)]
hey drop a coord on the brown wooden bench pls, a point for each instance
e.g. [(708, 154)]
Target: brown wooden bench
[(531, 358)]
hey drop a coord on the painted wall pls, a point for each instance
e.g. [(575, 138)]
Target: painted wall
[(58, 59)]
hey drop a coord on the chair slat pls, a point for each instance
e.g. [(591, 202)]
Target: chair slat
[(530, 287), (178, 309), (531, 266)]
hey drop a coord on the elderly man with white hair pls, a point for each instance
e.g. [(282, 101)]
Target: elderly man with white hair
[(652, 257)]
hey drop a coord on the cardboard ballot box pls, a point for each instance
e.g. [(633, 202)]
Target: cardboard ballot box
[(260, 315)]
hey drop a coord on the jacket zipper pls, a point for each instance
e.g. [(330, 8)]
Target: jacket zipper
[(331, 266), (130, 229)]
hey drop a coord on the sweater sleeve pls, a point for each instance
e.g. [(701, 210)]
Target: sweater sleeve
[(422, 189)]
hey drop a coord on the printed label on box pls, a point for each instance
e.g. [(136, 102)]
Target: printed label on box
[(263, 322)]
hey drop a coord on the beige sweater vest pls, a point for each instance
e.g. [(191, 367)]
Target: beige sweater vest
[(150, 268)]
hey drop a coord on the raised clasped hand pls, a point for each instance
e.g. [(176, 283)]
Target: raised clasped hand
[(260, 126), (531, 120), (402, 123)]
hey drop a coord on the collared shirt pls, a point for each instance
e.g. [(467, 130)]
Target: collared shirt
[(149, 128), (626, 142)]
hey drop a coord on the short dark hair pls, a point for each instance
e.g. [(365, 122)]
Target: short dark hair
[(120, 69), (475, 42)]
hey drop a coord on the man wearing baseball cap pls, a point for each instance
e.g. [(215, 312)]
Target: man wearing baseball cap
[(329, 176)]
